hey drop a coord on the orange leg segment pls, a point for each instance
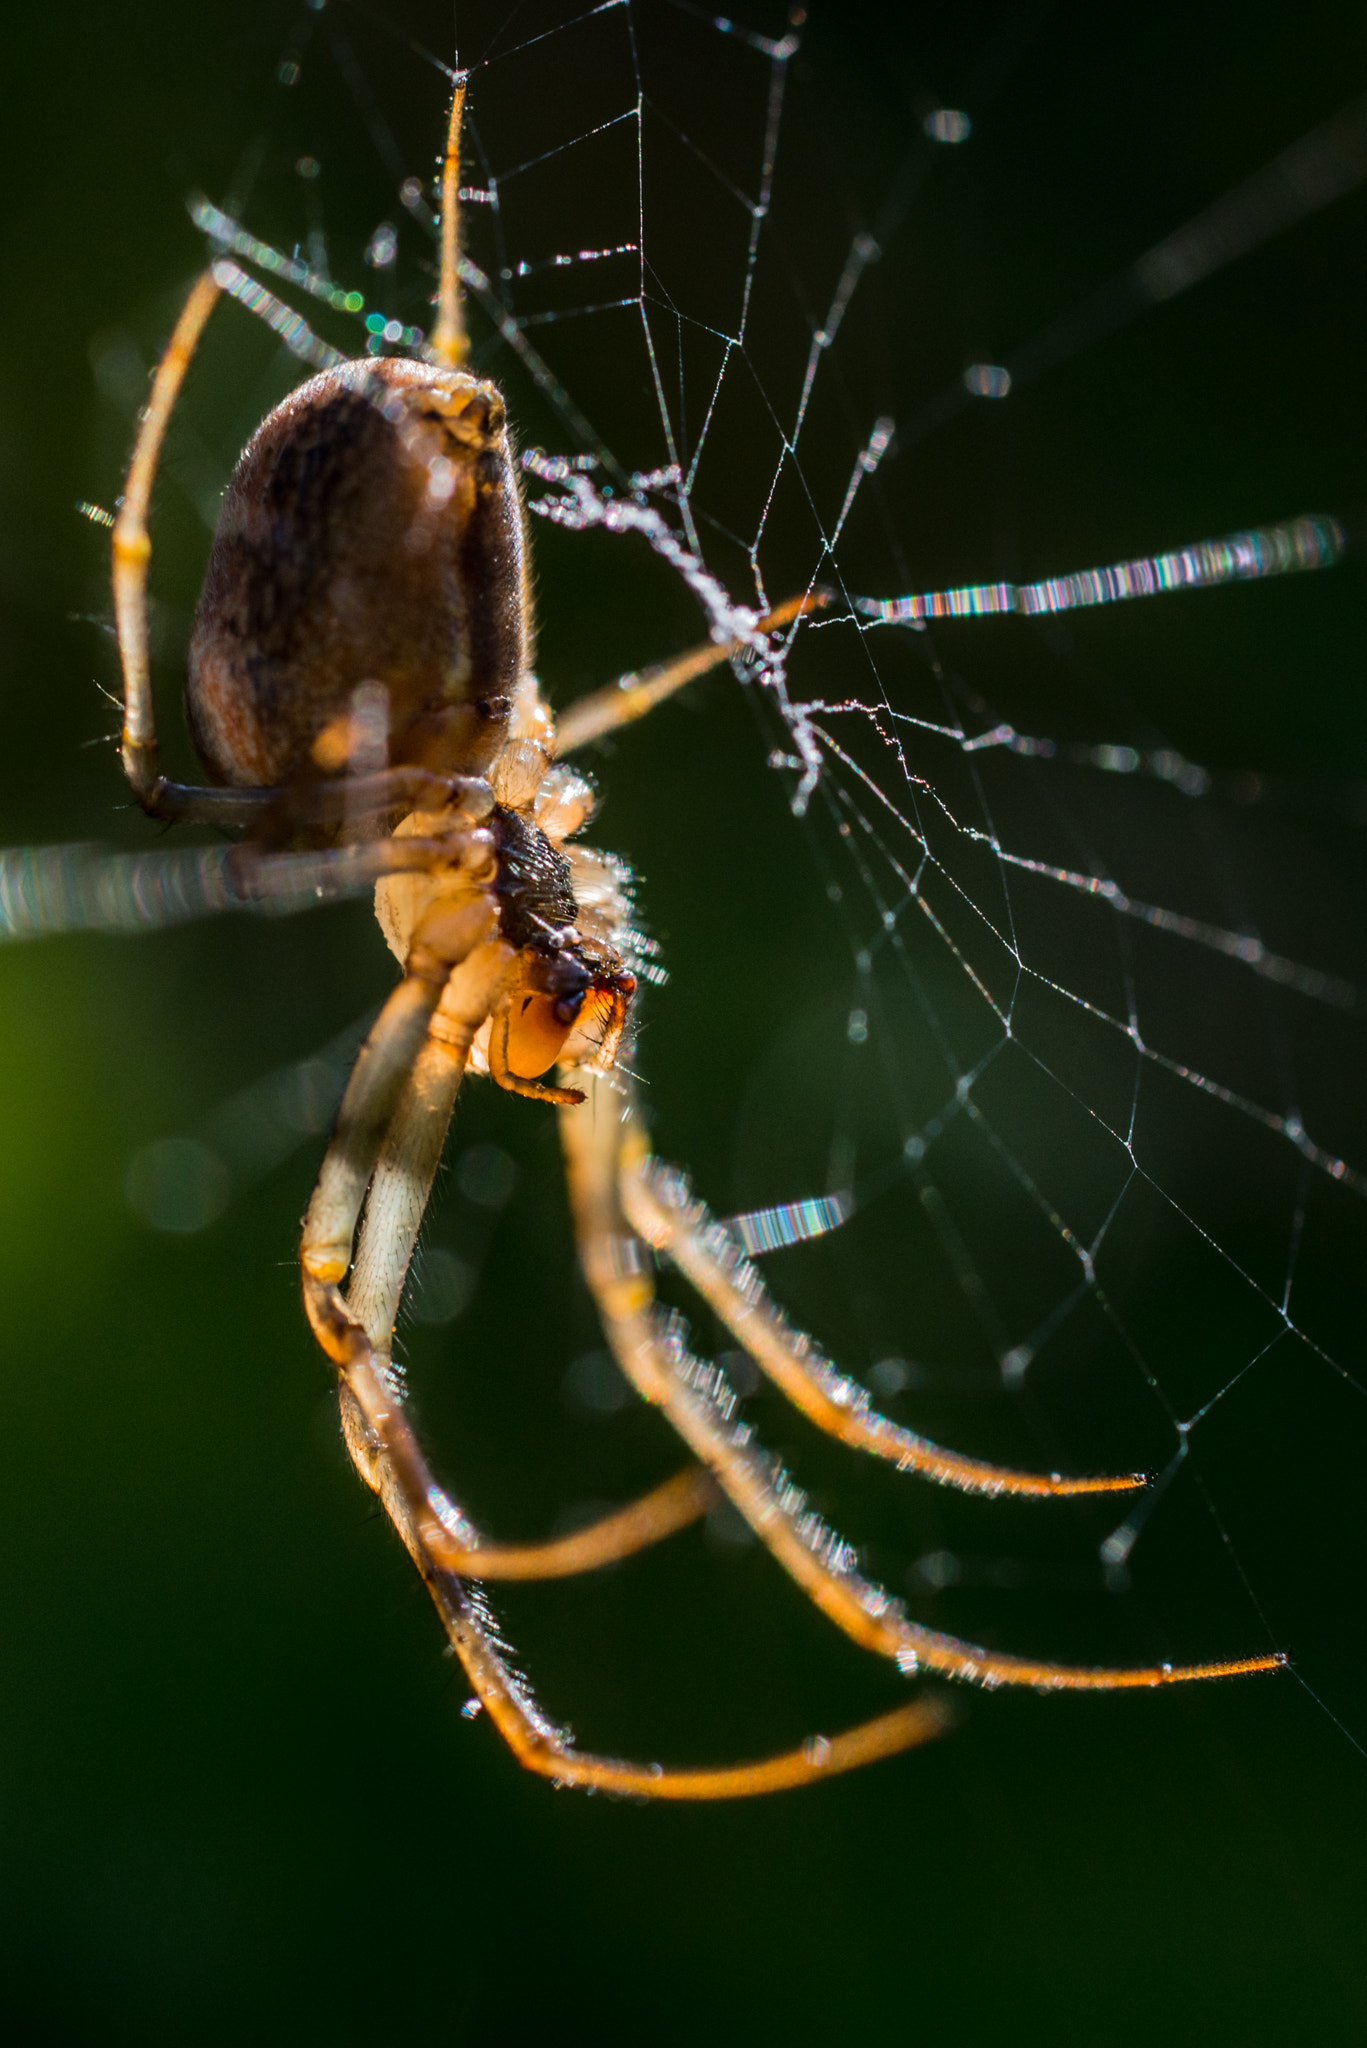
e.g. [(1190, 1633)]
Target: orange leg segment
[(657, 1514), (632, 696)]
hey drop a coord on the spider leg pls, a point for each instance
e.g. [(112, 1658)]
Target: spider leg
[(449, 344), (394, 1207), (132, 551), (453, 934), (402, 1181), (45, 889), (632, 696), (333, 800), (288, 881), (132, 544), (369, 1425), (660, 1205), (603, 1145), (380, 1437), (662, 1512)]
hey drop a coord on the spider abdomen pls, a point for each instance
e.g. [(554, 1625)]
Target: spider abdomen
[(371, 536)]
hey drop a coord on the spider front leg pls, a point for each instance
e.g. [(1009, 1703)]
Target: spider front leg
[(604, 1148), (628, 699), (659, 1203)]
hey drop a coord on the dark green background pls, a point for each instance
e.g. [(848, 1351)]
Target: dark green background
[(238, 1800)]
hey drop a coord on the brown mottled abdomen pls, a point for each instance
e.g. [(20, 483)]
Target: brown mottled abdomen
[(371, 534)]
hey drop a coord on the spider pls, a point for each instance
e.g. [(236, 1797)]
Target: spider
[(361, 696)]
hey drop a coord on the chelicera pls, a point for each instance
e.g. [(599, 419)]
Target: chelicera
[(361, 695)]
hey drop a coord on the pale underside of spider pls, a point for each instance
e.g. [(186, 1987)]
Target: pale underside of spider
[(361, 694)]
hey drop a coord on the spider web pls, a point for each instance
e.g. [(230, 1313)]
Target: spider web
[(1047, 1109)]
